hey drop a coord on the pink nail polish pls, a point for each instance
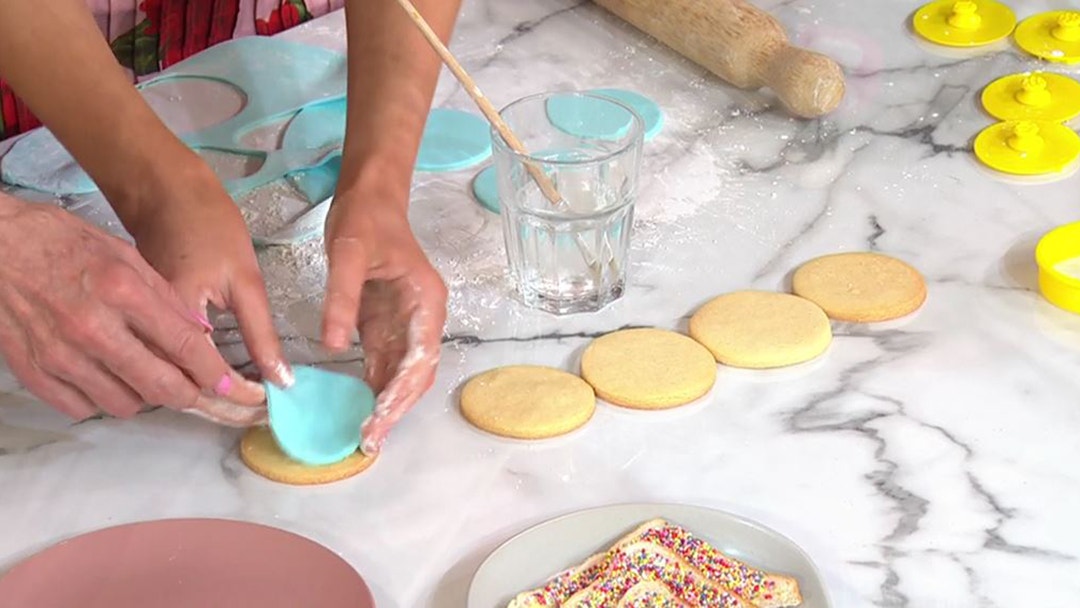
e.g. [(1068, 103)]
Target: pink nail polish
[(224, 385), (201, 318)]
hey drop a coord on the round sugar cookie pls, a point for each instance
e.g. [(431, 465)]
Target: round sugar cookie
[(761, 329), (261, 454), (861, 287), (527, 402), (648, 369)]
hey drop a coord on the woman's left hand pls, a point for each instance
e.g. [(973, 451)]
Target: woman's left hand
[(381, 283), (197, 239)]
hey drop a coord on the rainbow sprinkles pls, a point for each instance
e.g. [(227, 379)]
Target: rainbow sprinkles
[(662, 565)]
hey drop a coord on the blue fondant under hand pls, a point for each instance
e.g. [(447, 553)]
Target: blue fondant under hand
[(317, 421), (453, 140)]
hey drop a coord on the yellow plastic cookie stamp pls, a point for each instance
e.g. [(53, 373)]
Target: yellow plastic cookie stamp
[(1028, 147), (964, 23), (1058, 257), (1035, 96), (1053, 36)]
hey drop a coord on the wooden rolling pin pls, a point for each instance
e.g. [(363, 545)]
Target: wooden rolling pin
[(741, 44)]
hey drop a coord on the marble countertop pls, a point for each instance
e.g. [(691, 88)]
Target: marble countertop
[(930, 462)]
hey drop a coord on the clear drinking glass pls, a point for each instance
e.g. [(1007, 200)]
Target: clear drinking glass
[(568, 253)]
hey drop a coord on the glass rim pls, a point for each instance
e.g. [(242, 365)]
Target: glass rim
[(635, 136)]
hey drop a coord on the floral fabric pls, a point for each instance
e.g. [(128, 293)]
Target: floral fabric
[(150, 35)]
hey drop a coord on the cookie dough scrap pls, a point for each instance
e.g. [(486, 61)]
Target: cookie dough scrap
[(648, 368), (527, 402), (668, 554), (861, 287), (260, 452), (761, 329)]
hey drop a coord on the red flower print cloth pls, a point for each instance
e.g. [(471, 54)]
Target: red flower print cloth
[(150, 35)]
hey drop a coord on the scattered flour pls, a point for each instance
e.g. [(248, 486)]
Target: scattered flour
[(469, 256), (294, 274), (475, 284), (270, 208), (672, 196), (295, 278)]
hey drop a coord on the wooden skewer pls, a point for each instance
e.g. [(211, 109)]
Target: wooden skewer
[(489, 111), (486, 108)]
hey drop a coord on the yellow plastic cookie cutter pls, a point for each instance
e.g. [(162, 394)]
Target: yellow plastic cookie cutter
[(1028, 147), (1053, 36), (1034, 96), (964, 23), (1059, 245)]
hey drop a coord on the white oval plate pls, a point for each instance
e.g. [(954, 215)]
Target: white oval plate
[(527, 560)]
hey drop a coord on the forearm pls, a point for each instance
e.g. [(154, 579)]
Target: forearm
[(392, 77), (57, 61)]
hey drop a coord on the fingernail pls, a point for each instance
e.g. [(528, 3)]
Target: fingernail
[(284, 374), (249, 387), (336, 340), (201, 318), (371, 447), (224, 385)]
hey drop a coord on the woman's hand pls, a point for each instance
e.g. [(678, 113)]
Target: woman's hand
[(192, 232), (168, 199), (87, 325), (381, 283)]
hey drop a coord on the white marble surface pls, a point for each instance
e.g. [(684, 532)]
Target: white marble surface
[(927, 463)]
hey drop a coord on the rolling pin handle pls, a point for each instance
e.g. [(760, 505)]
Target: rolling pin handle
[(741, 44), (809, 84)]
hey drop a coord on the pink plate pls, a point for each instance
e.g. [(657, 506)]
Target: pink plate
[(180, 563)]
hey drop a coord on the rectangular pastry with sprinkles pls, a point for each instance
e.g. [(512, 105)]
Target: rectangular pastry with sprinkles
[(650, 594), (689, 570), (641, 561)]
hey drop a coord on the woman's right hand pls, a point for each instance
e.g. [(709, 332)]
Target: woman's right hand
[(87, 325)]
